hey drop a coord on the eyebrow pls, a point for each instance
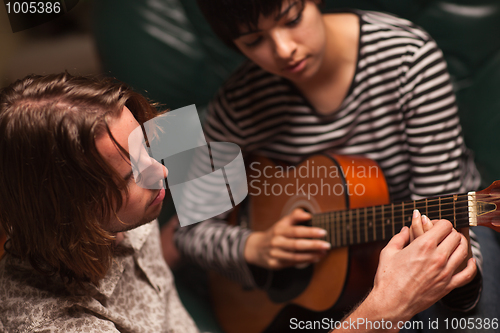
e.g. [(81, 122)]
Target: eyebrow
[(277, 18), (280, 15)]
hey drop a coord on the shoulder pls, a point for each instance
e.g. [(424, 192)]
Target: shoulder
[(31, 301), (388, 42), (24, 304), (390, 26)]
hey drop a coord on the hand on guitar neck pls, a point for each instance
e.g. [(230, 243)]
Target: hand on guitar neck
[(286, 244), (421, 224), (413, 276)]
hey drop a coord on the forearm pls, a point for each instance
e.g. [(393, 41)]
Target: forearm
[(373, 315), (215, 245)]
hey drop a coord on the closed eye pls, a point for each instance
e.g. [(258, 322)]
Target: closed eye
[(295, 21), (255, 42)]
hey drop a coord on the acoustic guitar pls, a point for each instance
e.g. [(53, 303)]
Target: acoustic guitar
[(348, 197)]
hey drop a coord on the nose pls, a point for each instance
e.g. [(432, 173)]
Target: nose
[(153, 176), (284, 45)]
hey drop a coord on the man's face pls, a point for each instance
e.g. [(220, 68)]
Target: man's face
[(142, 205), (290, 44)]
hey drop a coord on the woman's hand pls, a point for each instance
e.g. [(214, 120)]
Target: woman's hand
[(286, 244)]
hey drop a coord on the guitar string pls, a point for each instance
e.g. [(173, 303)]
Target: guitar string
[(398, 211), (349, 228), (376, 217), (398, 208), (422, 201), (347, 233), (379, 224)]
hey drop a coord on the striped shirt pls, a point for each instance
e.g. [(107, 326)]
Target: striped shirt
[(400, 111)]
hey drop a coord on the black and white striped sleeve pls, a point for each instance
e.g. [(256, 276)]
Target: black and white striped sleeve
[(213, 244)]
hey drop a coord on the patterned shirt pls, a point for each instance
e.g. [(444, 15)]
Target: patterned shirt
[(137, 295)]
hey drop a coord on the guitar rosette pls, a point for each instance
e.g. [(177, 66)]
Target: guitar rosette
[(205, 180)]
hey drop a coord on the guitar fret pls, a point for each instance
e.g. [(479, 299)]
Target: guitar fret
[(344, 230), (402, 214), (374, 224), (439, 203), (455, 197), (383, 221), (337, 214), (330, 231), (366, 224), (392, 208), (358, 226), (349, 225)]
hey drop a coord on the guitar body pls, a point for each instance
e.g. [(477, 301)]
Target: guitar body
[(322, 183)]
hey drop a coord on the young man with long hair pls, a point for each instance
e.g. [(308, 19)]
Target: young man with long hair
[(82, 254)]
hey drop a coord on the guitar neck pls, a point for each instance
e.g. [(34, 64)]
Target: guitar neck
[(370, 224)]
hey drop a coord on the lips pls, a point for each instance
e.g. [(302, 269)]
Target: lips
[(296, 66), (159, 197)]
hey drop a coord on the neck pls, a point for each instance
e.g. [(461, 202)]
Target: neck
[(119, 238), (328, 87), (377, 223), (331, 61)]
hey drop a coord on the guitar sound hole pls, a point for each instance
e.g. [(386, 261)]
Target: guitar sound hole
[(289, 283)]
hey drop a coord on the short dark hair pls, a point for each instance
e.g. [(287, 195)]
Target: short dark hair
[(57, 190), (227, 16)]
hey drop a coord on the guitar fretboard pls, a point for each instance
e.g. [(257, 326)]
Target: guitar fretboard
[(369, 224)]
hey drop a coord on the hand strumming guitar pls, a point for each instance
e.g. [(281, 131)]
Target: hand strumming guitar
[(286, 243)]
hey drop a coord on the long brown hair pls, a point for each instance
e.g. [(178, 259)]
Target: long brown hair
[(56, 190)]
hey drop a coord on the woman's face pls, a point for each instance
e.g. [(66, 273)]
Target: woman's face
[(290, 44)]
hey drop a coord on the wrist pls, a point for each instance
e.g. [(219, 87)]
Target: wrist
[(380, 306), (250, 253)]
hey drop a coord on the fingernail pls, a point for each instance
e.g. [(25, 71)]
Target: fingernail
[(416, 213), (425, 219), (326, 245), (322, 232)]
